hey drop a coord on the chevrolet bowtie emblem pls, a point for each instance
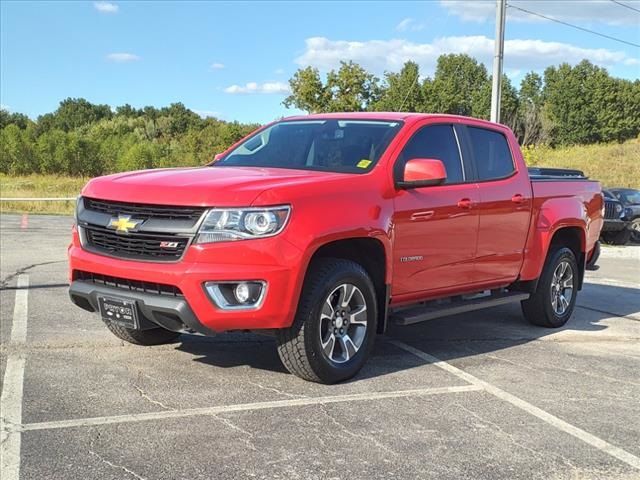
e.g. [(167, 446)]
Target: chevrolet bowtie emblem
[(123, 223)]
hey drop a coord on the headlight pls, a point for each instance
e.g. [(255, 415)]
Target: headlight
[(618, 208), (223, 225)]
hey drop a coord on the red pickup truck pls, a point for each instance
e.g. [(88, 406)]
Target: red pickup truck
[(321, 229)]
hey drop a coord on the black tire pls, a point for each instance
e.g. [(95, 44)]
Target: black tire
[(620, 238), (156, 336), (300, 346), (538, 309), (635, 230)]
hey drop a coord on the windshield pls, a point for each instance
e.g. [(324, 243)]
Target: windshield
[(346, 146), (631, 197)]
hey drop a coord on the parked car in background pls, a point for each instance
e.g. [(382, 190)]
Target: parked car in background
[(615, 230), (630, 200)]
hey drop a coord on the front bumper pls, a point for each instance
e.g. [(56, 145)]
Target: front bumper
[(170, 313), (272, 260), (614, 225)]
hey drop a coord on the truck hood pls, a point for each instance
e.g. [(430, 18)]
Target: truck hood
[(201, 186)]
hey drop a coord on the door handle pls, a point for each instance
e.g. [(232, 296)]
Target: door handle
[(465, 203), (518, 199)]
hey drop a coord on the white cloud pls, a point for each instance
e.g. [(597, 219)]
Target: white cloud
[(5, 107), (217, 66), (122, 57), (596, 11), (409, 25), (106, 7), (254, 87), (279, 71), (381, 55)]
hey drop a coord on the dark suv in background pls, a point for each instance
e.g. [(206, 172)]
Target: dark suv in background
[(630, 200), (615, 230)]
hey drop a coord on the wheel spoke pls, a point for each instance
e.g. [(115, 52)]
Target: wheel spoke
[(329, 345), (564, 303), (568, 281), (327, 310), (348, 347), (346, 294), (359, 317)]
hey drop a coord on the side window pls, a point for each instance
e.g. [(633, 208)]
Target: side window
[(434, 141), (491, 153)]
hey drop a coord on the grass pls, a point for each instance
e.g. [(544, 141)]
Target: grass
[(39, 186), (614, 165)]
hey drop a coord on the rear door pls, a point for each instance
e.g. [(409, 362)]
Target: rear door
[(505, 205), (435, 228)]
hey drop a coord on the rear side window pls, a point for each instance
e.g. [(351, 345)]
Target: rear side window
[(435, 141), (491, 153)]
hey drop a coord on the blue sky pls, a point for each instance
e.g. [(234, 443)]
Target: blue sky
[(233, 59)]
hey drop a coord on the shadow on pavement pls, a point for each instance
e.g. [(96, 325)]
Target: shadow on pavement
[(487, 330)]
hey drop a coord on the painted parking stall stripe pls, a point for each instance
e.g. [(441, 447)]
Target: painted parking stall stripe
[(245, 407), (12, 390), (552, 420)]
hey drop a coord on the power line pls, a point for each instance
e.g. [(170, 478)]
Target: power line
[(574, 26), (626, 6)]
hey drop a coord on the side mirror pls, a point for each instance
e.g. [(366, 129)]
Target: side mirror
[(423, 172), (217, 157)]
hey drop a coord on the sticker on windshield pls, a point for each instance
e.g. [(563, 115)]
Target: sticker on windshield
[(364, 163)]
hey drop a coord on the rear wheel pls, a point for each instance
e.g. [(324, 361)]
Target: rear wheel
[(555, 297), (335, 324), (156, 336)]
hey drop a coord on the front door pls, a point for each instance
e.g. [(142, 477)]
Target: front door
[(435, 228)]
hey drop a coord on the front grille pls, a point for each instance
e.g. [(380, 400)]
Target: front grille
[(126, 284), (610, 211), (137, 246), (140, 210)]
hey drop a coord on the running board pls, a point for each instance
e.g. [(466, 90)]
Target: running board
[(439, 309)]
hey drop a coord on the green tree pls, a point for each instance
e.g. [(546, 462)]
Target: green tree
[(74, 113), (402, 91), (308, 92), (350, 89), (529, 121), (459, 86)]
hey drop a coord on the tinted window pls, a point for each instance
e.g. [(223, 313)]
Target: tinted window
[(349, 146), (491, 153), (435, 141)]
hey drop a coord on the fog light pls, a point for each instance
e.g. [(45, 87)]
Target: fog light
[(236, 295), (242, 292)]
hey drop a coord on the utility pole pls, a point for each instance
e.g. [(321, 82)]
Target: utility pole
[(501, 7)]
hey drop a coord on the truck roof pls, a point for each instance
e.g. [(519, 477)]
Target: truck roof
[(389, 116)]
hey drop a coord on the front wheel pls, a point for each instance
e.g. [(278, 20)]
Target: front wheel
[(335, 324), (552, 304)]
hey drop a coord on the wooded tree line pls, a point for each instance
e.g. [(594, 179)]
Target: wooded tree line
[(81, 138), (567, 105)]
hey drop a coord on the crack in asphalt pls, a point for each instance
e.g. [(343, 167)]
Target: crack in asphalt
[(4, 282)]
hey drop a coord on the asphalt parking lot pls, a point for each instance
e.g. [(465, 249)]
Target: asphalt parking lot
[(480, 395)]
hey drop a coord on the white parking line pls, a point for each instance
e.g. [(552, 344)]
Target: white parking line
[(610, 281), (11, 399), (243, 407), (552, 420)]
